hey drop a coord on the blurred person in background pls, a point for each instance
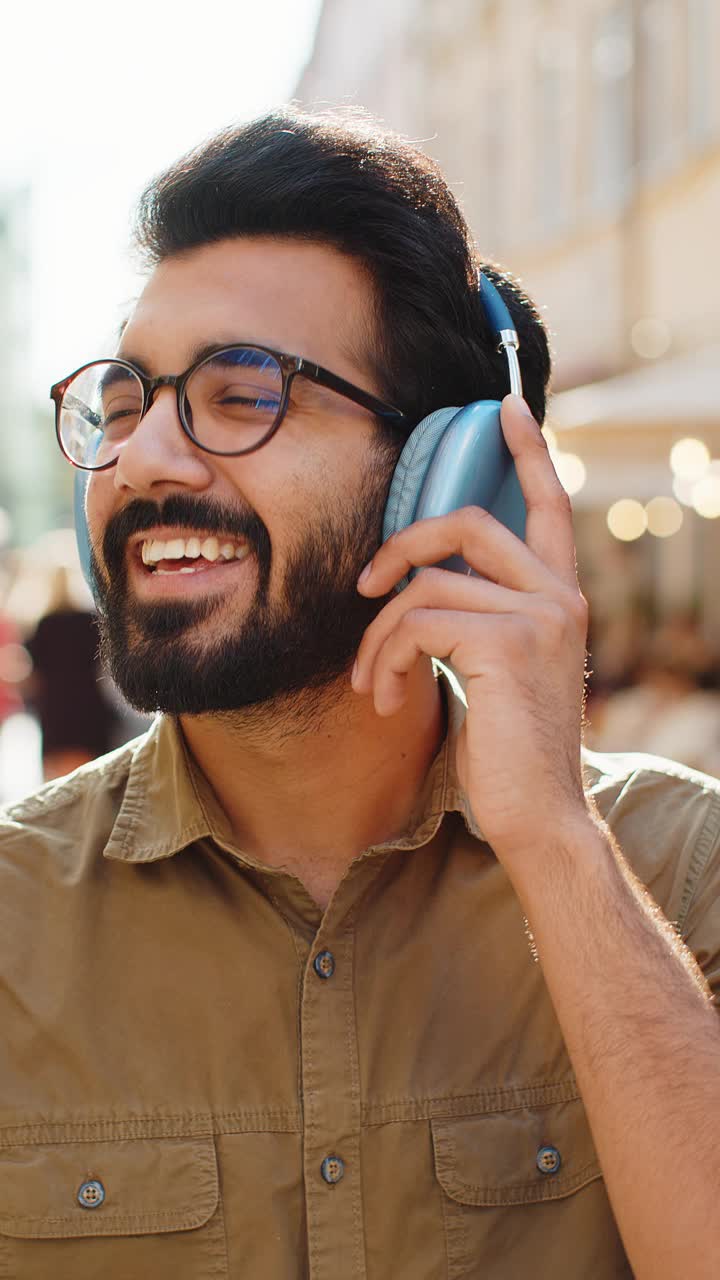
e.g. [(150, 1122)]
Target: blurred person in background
[(67, 686), (14, 664), (663, 712), (19, 762), (669, 704), (12, 669), (681, 637), (78, 709), (348, 966)]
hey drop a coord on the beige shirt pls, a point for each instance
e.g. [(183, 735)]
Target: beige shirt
[(201, 1075)]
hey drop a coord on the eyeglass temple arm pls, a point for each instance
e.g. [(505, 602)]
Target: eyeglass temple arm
[(364, 398), (72, 402)]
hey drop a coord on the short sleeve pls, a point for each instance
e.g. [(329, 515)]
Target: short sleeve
[(666, 820), (700, 926)]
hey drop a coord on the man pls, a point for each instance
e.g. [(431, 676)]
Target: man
[(336, 972)]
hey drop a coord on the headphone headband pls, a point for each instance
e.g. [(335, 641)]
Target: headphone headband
[(501, 322)]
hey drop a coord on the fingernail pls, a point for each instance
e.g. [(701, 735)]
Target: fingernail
[(365, 573), (354, 672)]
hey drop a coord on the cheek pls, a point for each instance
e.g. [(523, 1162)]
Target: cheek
[(288, 514), (299, 485), (285, 493), (314, 490)]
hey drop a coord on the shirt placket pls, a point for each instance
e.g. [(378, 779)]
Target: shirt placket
[(331, 1101)]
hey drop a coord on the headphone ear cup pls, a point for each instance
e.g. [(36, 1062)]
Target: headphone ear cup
[(411, 469), (82, 536)]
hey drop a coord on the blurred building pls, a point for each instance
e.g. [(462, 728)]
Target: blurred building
[(582, 138), (34, 487), (15, 413)]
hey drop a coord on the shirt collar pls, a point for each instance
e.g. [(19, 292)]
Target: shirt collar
[(168, 803), (161, 811), (454, 799)]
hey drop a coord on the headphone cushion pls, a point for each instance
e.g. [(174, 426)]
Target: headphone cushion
[(411, 469), (82, 535)]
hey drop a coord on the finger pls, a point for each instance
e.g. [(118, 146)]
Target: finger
[(436, 589), (446, 634), (549, 527), (485, 544)]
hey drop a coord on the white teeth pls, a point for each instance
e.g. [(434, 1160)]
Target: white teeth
[(210, 549), (173, 573), (153, 550)]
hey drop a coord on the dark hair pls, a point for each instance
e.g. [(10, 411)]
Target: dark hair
[(339, 178)]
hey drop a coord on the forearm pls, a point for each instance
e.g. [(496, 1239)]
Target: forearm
[(645, 1046)]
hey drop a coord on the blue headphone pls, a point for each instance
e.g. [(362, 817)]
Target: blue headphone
[(455, 457), (458, 457)]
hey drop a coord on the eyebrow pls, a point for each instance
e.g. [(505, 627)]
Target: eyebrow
[(198, 352), (113, 374)]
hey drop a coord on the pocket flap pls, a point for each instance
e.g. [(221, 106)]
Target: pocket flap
[(515, 1157), (146, 1186)]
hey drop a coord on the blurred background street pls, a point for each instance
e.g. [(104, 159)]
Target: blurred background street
[(582, 138)]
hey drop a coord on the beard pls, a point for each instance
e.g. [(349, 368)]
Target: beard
[(303, 642)]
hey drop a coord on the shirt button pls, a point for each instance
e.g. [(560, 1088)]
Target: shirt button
[(91, 1194), (332, 1169), (548, 1160), (324, 964)]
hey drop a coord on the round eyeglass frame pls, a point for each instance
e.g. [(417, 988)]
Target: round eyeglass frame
[(290, 368)]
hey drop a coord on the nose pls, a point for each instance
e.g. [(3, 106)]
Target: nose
[(159, 453)]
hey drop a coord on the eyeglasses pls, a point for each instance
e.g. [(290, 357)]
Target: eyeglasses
[(230, 402)]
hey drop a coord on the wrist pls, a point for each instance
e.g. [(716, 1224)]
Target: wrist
[(565, 851)]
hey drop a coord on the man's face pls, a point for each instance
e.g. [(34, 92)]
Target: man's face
[(298, 518)]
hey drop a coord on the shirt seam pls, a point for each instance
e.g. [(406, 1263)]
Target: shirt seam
[(704, 848), (196, 1126), (557, 1189), (301, 962), (190, 771), (351, 1039), (117, 1220), (485, 1102), (142, 852)]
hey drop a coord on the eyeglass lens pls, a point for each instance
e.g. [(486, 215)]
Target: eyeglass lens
[(231, 402)]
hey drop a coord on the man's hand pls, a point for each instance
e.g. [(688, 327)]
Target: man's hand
[(515, 635), (630, 999)]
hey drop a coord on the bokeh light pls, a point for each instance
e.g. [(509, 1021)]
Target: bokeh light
[(664, 516), (683, 488), (689, 458), (627, 519), (706, 496), (571, 471), (650, 337)]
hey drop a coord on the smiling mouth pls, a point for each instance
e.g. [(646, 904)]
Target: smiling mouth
[(190, 555)]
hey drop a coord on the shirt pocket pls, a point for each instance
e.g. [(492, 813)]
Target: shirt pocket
[(131, 1208), (522, 1194)]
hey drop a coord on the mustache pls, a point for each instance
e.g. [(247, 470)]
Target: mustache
[(186, 512)]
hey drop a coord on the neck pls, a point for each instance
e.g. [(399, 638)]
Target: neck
[(309, 783)]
